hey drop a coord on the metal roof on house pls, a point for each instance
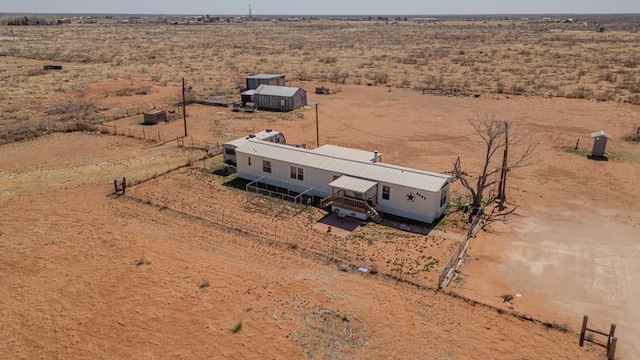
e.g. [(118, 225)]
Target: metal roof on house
[(273, 90), (345, 153), (381, 172), (601, 133), (258, 136), (264, 76), (355, 185)]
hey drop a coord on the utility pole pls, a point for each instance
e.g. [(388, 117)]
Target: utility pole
[(184, 108), (317, 128)]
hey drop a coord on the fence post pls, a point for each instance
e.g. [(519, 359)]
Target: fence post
[(115, 130), (584, 330), (115, 185), (124, 185), (159, 137), (143, 134), (611, 350), (612, 333)]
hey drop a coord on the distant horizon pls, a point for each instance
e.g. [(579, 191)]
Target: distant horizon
[(415, 15), (264, 8)]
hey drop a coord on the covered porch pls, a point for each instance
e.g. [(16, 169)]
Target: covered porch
[(354, 197)]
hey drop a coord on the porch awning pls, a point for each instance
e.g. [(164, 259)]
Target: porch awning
[(352, 184)]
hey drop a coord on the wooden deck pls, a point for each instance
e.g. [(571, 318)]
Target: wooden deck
[(353, 204)]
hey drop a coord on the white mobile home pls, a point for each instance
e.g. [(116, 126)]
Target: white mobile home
[(352, 183), (229, 148)]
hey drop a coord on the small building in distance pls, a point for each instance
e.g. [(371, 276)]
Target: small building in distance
[(599, 144), (154, 116), (254, 81), (279, 98)]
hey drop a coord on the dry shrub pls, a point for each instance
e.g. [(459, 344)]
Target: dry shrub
[(337, 76), (36, 72), (380, 78), (632, 138), (581, 92), (124, 92), (237, 327), (143, 260), (328, 60), (144, 90), (204, 283), (634, 99)]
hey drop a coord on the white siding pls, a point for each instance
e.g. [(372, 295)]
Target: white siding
[(425, 206)]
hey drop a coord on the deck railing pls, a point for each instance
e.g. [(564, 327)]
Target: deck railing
[(350, 203)]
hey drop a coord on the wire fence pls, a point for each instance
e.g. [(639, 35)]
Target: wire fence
[(459, 252)]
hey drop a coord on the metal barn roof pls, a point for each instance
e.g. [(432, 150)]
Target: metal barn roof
[(273, 90), (345, 153), (355, 185), (417, 179), (264, 76), (258, 136)]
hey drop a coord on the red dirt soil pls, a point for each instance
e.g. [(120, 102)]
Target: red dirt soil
[(70, 287)]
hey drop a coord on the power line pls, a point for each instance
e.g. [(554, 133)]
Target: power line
[(396, 138)]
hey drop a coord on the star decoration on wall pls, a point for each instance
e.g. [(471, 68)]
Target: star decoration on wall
[(410, 197)]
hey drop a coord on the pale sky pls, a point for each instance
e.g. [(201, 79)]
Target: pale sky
[(321, 7)]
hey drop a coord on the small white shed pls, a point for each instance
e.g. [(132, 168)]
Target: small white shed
[(599, 143)]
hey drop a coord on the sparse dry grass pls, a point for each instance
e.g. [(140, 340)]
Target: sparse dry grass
[(452, 57)]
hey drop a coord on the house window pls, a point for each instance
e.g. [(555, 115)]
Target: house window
[(297, 173), (443, 197), (386, 192), (266, 166), (249, 160), (229, 151)]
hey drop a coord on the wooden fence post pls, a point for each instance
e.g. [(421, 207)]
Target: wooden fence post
[(584, 330), (612, 334), (159, 137), (143, 134), (611, 349), (115, 185)]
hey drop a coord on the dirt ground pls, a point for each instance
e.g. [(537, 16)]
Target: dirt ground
[(71, 287)]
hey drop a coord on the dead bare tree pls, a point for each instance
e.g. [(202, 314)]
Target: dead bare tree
[(489, 183)]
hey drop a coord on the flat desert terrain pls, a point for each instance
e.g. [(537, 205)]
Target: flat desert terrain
[(185, 265)]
